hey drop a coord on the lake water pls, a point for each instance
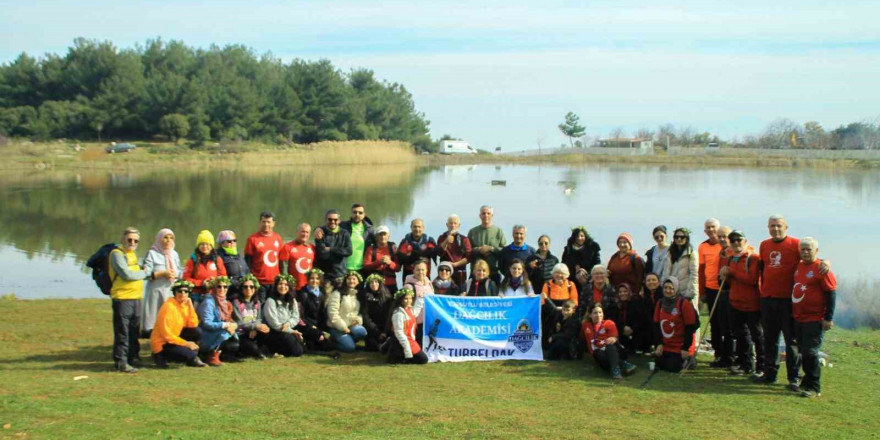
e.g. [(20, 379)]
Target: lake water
[(51, 222)]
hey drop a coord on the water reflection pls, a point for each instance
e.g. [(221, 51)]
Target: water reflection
[(51, 222)]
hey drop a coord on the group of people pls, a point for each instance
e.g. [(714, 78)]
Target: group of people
[(328, 290)]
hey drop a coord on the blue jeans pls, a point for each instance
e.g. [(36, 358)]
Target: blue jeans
[(345, 342)]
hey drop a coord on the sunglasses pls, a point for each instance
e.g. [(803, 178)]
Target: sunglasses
[(332, 219), (443, 269), (231, 241), (132, 240), (736, 240), (248, 287), (680, 237)]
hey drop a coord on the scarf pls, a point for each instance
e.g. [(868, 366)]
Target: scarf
[(223, 306), (442, 284), (516, 282), (667, 304), (230, 250), (158, 247)]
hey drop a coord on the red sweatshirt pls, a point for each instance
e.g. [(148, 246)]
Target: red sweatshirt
[(373, 264), (597, 334), (744, 280), (779, 262)]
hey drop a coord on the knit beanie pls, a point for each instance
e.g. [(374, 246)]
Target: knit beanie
[(626, 237), (205, 236)]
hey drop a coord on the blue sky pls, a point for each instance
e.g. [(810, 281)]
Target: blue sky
[(505, 73)]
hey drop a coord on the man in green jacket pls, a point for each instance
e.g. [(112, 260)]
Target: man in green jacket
[(487, 241)]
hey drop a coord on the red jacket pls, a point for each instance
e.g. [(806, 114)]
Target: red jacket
[(597, 334), (205, 270), (744, 280), (373, 263)]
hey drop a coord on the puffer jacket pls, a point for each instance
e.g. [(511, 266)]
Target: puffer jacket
[(686, 270), (342, 310)]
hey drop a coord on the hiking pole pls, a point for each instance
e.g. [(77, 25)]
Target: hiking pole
[(708, 324), (650, 376)]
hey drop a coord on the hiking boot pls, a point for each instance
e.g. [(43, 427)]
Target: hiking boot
[(810, 394), (136, 362), (794, 387), (160, 361), (214, 359), (758, 376), (196, 362), (615, 373), (123, 367), (628, 368)]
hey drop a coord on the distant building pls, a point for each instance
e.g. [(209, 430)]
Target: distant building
[(640, 143)]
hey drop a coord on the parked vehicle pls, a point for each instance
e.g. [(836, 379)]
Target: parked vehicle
[(120, 148), (456, 147)]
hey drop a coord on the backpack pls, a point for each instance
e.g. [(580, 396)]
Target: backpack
[(99, 262)]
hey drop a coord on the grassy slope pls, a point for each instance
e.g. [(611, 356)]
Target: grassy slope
[(360, 396)]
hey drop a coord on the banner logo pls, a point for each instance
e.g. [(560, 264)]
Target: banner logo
[(523, 338)]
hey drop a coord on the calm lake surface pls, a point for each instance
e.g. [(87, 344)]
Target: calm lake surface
[(50, 223)]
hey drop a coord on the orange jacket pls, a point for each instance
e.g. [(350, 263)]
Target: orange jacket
[(560, 293), (172, 318)]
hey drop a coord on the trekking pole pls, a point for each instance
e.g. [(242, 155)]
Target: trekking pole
[(708, 324)]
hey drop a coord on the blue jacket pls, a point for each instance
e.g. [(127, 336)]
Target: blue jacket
[(213, 333)]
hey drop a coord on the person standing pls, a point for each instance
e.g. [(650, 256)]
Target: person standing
[(581, 254), (455, 248), (780, 255), (236, 266), (487, 241), (517, 250), (813, 298), (161, 260), (540, 264), (722, 335), (360, 229), (381, 258), (298, 256), (683, 265), (709, 252), (261, 253), (126, 295), (655, 258), (741, 272), (416, 246), (332, 247), (626, 266)]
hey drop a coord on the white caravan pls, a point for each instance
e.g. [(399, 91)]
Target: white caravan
[(456, 147)]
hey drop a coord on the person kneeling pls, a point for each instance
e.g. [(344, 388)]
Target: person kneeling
[(282, 316), (676, 321), (218, 328), (602, 342), (403, 347), (563, 342), (176, 334)]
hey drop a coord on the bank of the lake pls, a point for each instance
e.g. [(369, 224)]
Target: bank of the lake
[(58, 383), (63, 154)]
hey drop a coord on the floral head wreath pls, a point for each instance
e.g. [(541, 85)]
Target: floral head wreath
[(314, 271), (683, 229), (214, 282), (580, 228), (289, 278), (404, 291), (250, 277), (375, 276), (356, 274), (182, 284)]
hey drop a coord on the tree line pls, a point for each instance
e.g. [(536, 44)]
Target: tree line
[(167, 88)]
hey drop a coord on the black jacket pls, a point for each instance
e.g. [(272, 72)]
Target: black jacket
[(332, 261), (585, 257), (369, 235)]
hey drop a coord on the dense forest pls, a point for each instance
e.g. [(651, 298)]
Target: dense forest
[(167, 88)]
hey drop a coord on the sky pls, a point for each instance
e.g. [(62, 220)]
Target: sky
[(504, 74)]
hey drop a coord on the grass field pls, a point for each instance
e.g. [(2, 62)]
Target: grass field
[(45, 344)]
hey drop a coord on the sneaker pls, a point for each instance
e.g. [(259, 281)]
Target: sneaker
[(136, 362), (794, 387), (757, 376), (628, 368), (160, 361), (737, 370), (196, 362), (123, 367), (810, 394)]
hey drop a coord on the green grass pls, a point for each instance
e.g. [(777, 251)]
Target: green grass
[(45, 344)]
